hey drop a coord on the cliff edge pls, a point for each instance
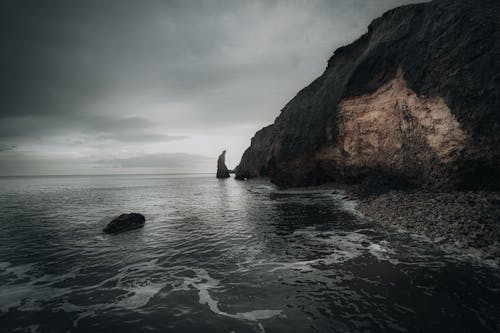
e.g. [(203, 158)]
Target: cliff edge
[(415, 100)]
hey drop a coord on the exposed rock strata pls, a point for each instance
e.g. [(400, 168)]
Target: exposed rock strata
[(222, 170), (415, 100), (395, 131)]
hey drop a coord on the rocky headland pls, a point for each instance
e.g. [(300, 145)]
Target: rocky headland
[(415, 100), (411, 112)]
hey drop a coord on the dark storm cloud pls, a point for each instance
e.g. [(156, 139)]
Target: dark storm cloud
[(58, 59)]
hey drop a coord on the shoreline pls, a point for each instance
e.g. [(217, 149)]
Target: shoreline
[(465, 221)]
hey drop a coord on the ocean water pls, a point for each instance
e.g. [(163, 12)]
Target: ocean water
[(222, 256)]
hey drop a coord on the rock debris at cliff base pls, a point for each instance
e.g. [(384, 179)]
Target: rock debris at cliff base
[(464, 220)]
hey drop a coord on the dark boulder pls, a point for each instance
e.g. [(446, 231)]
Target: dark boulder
[(222, 170), (125, 222)]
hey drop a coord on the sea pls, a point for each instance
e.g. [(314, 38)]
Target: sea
[(223, 256)]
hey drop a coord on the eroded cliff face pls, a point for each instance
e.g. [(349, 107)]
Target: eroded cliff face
[(394, 130), (416, 100)]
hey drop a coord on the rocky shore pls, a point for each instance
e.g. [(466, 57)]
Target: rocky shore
[(465, 220)]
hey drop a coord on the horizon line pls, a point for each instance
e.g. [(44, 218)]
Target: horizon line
[(116, 174)]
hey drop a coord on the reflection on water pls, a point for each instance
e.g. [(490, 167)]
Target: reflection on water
[(222, 256)]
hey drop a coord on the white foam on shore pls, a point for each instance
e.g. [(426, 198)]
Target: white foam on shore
[(19, 271), (139, 296), (346, 203), (30, 329), (203, 282), (27, 290), (344, 246)]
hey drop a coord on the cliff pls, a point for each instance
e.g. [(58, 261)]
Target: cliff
[(415, 100)]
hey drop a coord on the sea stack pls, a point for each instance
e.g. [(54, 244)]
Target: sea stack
[(414, 101), (222, 170)]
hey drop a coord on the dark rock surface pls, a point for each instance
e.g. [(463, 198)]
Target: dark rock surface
[(222, 170), (415, 100), (254, 160), (125, 222)]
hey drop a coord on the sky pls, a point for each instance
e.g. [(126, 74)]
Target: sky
[(145, 86)]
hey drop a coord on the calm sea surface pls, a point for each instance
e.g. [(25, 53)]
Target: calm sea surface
[(222, 256)]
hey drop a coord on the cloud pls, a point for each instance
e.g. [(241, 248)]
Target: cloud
[(99, 127), (5, 147), (172, 160), (134, 137)]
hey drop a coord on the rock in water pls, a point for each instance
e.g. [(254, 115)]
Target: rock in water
[(125, 222), (416, 100), (222, 170)]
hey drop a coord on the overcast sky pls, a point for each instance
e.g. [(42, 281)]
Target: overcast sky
[(95, 87)]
